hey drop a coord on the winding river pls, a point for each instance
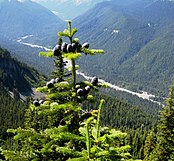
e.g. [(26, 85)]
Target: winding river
[(143, 94)]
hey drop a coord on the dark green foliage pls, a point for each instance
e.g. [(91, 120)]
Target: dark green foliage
[(163, 145), (11, 116), (57, 128), (4, 53), (145, 105), (136, 139), (136, 121), (15, 79), (11, 113), (14, 74), (150, 143), (137, 36), (121, 114)]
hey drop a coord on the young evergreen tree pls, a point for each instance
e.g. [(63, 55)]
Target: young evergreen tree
[(164, 148), (150, 144), (57, 128)]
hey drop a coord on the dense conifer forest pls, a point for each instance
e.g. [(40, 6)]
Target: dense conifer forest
[(76, 121)]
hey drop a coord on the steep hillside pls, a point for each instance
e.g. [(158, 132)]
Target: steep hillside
[(136, 35), (21, 18), (68, 9), (15, 75), (15, 78), (138, 39)]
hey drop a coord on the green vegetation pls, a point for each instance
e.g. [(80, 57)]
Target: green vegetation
[(58, 129), (15, 78), (120, 112), (11, 115), (159, 143), (138, 41), (136, 121), (73, 122), (137, 38), (16, 75)]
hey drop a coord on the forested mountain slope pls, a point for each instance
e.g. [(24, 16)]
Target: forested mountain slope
[(15, 78), (136, 35), (15, 75), (138, 39), (117, 113), (21, 18), (68, 9), (26, 18)]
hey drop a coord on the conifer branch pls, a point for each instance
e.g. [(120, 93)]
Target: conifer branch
[(99, 117)]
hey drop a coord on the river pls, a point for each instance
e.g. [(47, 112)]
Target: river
[(143, 94)]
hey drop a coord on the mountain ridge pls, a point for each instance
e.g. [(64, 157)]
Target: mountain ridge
[(20, 19), (15, 75), (125, 34), (23, 18), (68, 9), (130, 36)]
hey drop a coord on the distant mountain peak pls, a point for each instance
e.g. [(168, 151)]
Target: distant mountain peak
[(76, 2), (17, 0), (68, 9), (22, 1), (23, 17)]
